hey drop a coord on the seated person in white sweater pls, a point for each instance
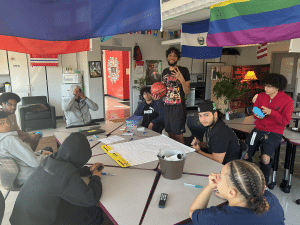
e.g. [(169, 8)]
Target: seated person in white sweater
[(77, 108), (13, 147)]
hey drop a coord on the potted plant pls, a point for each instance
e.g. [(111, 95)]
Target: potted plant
[(229, 89)]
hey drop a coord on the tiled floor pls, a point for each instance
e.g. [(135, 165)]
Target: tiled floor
[(114, 109), (287, 201)]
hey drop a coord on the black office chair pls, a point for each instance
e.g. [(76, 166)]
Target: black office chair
[(36, 113)]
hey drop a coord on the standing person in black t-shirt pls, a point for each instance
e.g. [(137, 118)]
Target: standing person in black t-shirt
[(151, 110), (221, 144), (177, 81)]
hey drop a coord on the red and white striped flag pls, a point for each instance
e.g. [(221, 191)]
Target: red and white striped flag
[(149, 32), (44, 59), (262, 50)]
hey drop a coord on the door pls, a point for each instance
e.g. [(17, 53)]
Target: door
[(37, 79), (19, 73), (286, 64)]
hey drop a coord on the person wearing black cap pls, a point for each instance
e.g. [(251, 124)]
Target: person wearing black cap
[(9, 101), (221, 144), (56, 194), (13, 147)]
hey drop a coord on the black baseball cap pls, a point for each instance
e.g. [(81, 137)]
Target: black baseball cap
[(207, 106)]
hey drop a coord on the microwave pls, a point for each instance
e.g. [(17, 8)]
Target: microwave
[(71, 78)]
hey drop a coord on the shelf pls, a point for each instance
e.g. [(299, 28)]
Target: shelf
[(171, 42)]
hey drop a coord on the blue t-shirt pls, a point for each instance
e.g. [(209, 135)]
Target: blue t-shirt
[(228, 215)]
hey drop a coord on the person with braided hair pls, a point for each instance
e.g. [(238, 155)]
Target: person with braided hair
[(242, 184)]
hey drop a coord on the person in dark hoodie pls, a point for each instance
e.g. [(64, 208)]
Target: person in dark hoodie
[(56, 194), (151, 110)]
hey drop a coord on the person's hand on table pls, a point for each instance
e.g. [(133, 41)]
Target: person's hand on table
[(266, 110), (196, 144), (150, 126), (33, 136), (94, 169), (46, 153)]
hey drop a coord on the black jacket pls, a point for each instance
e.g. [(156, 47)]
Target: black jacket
[(56, 180)]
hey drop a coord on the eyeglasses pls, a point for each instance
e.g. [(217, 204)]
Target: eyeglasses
[(7, 103)]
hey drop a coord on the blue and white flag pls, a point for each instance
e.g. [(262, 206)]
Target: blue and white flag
[(193, 41)]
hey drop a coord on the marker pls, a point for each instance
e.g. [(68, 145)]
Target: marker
[(91, 131), (108, 174), (193, 185), (95, 136), (91, 140), (144, 132)]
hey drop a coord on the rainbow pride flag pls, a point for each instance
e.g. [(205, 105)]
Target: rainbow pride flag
[(239, 22)]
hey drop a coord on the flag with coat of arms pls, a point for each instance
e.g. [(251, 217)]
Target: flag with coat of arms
[(193, 41)]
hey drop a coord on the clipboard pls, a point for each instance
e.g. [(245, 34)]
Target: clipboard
[(115, 156)]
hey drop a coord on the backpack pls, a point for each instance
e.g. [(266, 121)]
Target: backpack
[(137, 54)]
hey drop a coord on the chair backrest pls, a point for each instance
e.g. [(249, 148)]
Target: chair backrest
[(249, 110), (34, 100), (9, 170), (243, 149)]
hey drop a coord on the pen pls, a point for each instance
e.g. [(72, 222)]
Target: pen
[(108, 174), (193, 185), (95, 136)]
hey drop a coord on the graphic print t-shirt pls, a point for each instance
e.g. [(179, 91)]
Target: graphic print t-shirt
[(175, 94)]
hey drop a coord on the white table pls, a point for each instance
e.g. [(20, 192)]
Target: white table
[(179, 201), (109, 127), (199, 164), (125, 195)]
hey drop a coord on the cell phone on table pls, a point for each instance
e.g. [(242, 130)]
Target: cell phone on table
[(100, 168), (162, 200)]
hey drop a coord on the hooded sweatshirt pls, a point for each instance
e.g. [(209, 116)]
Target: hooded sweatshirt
[(55, 181), (77, 112), (13, 147), (282, 109)]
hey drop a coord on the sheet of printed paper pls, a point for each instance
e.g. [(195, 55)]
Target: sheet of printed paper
[(111, 139), (146, 150)]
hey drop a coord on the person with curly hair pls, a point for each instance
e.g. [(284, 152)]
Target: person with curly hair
[(9, 101), (278, 108), (242, 184)]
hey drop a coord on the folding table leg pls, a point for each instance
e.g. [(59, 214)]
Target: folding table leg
[(292, 163), (275, 167), (287, 160)]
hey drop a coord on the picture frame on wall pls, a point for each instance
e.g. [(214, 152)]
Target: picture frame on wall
[(153, 71), (212, 68), (95, 69)]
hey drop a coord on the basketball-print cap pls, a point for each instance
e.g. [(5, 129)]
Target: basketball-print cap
[(207, 106)]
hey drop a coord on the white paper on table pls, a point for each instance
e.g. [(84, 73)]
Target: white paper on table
[(146, 150), (111, 139)]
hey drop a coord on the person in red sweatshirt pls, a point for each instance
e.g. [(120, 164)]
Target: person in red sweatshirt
[(278, 108)]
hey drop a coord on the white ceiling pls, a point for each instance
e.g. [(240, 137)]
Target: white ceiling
[(175, 22)]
